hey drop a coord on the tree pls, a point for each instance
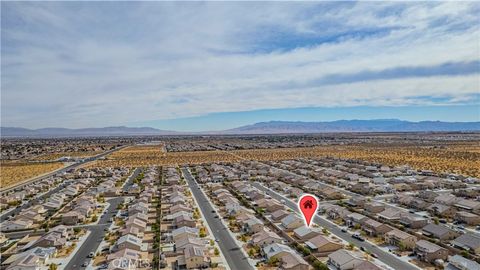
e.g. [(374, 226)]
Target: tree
[(52, 266), (273, 261), (216, 251), (94, 218)]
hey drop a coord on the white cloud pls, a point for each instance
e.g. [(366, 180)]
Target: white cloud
[(98, 64)]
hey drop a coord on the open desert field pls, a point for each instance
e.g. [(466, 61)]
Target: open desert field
[(54, 156), (15, 172), (458, 158)]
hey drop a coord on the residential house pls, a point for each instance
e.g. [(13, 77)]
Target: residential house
[(468, 205), (441, 232), (322, 244), (442, 210), (304, 233), (252, 225), (291, 222), (293, 261), (413, 221), (195, 258), (467, 218), (374, 207), (391, 214), (429, 252), (278, 215), (184, 232), (458, 262), (73, 218), (343, 260), (130, 241), (16, 224), (374, 228), (400, 239), (355, 219), (264, 238), (469, 242), (183, 220)]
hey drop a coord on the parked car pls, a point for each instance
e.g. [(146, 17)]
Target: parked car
[(358, 237)]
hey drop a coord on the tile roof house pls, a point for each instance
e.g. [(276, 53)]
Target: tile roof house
[(305, 233), (322, 244), (276, 250), (442, 210), (125, 253), (291, 222), (413, 221), (16, 224), (279, 214), (391, 214), (183, 220), (293, 261), (429, 252), (441, 232), (73, 218), (355, 219), (374, 207), (469, 242), (189, 241), (467, 218), (458, 262), (195, 258), (400, 239), (130, 241), (446, 199), (468, 205), (16, 261), (374, 228), (29, 262), (343, 260), (264, 238), (252, 225), (183, 232)]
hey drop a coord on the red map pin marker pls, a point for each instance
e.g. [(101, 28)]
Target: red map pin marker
[(308, 205)]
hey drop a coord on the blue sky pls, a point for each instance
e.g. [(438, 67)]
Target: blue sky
[(213, 65)]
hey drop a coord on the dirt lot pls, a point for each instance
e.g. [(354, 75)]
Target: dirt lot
[(15, 172), (54, 156), (461, 158)]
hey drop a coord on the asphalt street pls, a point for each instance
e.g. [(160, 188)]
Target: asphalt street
[(31, 202), (129, 181), (97, 233), (389, 259), (231, 251)]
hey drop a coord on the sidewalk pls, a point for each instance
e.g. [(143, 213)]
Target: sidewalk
[(210, 232)]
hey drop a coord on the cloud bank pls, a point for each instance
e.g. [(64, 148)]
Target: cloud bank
[(76, 64)]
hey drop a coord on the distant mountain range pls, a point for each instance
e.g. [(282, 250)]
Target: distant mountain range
[(272, 127), (66, 132), (383, 125)]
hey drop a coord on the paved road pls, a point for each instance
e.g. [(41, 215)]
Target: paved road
[(31, 202), (97, 233), (386, 257), (129, 181), (39, 178), (231, 251)]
